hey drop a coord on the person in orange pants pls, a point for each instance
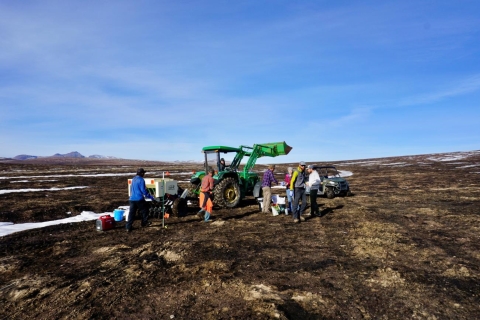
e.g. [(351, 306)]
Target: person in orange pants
[(206, 204)]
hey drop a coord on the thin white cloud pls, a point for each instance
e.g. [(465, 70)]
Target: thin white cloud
[(465, 86), (356, 115)]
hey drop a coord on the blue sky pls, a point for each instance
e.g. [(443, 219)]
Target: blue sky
[(158, 80)]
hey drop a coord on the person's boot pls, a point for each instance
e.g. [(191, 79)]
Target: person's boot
[(207, 216), (146, 223)]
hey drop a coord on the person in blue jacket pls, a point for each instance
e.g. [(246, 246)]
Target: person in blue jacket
[(138, 192)]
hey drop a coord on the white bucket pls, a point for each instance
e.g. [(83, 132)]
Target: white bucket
[(260, 203), (286, 211), (275, 212)]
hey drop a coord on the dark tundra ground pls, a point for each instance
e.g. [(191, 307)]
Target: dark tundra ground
[(404, 246)]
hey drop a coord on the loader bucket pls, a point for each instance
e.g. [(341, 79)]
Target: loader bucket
[(275, 149)]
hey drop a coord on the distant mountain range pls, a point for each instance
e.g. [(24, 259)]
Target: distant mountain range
[(73, 154)]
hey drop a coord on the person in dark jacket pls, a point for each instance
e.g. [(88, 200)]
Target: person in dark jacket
[(138, 193), (222, 164), (298, 185), (314, 184)]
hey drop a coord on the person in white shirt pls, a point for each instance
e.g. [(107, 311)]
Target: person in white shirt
[(314, 184)]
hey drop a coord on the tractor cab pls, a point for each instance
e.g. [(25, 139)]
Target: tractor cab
[(214, 156), (212, 160)]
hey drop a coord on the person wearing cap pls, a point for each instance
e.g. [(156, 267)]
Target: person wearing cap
[(267, 181), (222, 164), (297, 184), (138, 193), (206, 188), (288, 179), (314, 183)]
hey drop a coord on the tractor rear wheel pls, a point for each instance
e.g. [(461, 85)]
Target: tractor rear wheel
[(227, 193), (179, 207), (193, 193)]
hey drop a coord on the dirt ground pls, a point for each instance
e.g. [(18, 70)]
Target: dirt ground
[(404, 246)]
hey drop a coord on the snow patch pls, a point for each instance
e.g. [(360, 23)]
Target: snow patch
[(36, 190), (345, 173), (7, 228), (73, 175), (394, 164), (468, 166), (372, 162)]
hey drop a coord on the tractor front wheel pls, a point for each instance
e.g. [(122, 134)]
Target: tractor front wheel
[(227, 193), (194, 190)]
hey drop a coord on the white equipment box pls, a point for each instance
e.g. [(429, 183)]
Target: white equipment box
[(156, 186)]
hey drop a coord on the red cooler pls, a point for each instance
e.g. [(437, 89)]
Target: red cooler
[(105, 223)]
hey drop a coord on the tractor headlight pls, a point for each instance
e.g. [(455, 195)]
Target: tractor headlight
[(332, 183)]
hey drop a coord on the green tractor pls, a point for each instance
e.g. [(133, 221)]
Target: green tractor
[(232, 184)]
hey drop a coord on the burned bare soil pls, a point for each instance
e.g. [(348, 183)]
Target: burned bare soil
[(404, 246)]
